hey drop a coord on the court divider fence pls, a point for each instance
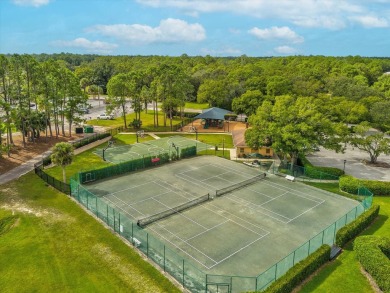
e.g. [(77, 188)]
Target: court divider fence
[(302, 172), (185, 272)]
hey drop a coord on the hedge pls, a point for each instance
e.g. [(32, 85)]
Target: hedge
[(351, 184), (299, 272), (80, 143), (353, 229), (319, 172), (373, 254)]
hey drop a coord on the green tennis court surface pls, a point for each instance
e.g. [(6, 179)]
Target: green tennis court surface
[(173, 144), (242, 233)]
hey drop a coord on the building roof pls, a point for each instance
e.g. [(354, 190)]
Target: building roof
[(213, 113)]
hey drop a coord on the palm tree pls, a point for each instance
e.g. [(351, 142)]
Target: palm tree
[(62, 156)]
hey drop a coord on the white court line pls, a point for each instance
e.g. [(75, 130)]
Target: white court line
[(129, 188), (152, 197), (189, 255), (216, 176), (207, 230), (259, 207), (242, 248), (305, 211), (180, 214), (185, 241), (181, 239), (293, 191), (173, 244), (209, 203)]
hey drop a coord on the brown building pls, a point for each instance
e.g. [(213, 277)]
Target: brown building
[(244, 151)]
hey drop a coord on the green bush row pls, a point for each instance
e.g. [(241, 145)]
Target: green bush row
[(353, 229), (299, 272), (351, 185), (373, 253), (317, 172)]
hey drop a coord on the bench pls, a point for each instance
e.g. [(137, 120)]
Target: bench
[(290, 178)]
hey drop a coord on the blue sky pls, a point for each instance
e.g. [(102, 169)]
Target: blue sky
[(202, 27)]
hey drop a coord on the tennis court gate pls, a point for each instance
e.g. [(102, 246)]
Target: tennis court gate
[(218, 284)]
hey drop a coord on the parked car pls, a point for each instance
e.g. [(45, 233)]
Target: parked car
[(105, 116), (84, 110)]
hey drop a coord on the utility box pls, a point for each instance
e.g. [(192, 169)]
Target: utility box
[(88, 129), (79, 130)]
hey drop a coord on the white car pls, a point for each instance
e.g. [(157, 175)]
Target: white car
[(105, 116)]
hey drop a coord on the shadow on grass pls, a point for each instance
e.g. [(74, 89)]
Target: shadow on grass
[(376, 225)]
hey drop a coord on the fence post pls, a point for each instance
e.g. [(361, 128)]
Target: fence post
[(147, 245), (164, 258), (108, 221), (97, 214), (183, 273)]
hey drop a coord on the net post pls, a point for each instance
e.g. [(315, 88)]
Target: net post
[(308, 248), (87, 201), (323, 235), (147, 245)]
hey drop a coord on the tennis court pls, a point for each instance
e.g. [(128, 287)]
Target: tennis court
[(170, 145), (241, 232)]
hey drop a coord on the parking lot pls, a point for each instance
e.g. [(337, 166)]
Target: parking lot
[(353, 163)]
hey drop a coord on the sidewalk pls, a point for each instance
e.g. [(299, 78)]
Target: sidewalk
[(22, 169), (28, 166)]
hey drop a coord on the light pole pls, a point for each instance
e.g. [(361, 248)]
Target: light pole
[(344, 165)]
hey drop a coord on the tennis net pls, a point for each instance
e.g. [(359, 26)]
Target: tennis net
[(153, 218), (239, 185)]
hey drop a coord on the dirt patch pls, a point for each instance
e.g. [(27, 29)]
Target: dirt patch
[(20, 154)]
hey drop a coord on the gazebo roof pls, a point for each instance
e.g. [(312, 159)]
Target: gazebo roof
[(213, 113)]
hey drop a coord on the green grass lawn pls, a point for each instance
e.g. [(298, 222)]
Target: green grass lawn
[(343, 274), (197, 106), (84, 161), (55, 246), (146, 118), (211, 139), (89, 160)]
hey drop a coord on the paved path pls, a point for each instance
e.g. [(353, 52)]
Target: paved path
[(22, 169), (28, 166)]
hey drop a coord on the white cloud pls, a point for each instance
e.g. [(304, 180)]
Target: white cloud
[(370, 21), (330, 14), (90, 46), (285, 50), (35, 3), (280, 33), (169, 31)]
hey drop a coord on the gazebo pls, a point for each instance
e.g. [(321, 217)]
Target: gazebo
[(213, 117)]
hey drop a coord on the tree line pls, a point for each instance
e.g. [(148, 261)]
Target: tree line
[(317, 95)]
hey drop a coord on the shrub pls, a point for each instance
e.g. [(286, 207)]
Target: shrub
[(373, 254), (231, 117), (319, 172), (353, 229), (351, 184), (299, 272)]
